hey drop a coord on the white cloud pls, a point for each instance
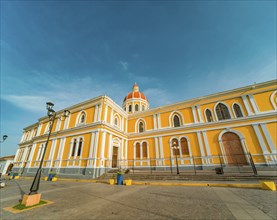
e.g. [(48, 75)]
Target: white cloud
[(28, 102)]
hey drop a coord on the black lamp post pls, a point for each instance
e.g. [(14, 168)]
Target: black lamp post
[(4, 138), (175, 147), (52, 115)]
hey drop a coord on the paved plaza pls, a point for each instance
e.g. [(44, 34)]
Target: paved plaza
[(83, 200)]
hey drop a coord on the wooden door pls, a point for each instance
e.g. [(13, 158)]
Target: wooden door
[(114, 158), (233, 149)]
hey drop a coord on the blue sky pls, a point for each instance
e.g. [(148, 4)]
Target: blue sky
[(71, 51)]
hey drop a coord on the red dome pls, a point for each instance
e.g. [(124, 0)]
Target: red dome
[(132, 95), (135, 94)]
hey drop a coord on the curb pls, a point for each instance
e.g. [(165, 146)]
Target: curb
[(232, 185)]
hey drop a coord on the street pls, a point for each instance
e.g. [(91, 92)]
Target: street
[(74, 200)]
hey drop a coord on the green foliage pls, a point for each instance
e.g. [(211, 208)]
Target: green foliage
[(20, 206)]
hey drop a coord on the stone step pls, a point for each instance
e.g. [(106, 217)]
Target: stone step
[(189, 177)]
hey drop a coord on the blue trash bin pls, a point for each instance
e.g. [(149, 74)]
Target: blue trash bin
[(15, 174), (50, 176), (120, 179)]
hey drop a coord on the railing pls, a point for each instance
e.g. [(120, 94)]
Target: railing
[(239, 163)]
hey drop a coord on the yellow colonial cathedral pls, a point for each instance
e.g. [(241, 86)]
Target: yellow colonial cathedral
[(98, 135)]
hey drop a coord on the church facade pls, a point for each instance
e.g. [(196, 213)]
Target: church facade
[(99, 135)]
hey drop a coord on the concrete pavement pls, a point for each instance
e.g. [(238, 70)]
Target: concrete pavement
[(86, 200)]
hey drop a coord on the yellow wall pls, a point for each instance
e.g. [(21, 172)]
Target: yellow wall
[(272, 129), (164, 119), (187, 114), (263, 101)]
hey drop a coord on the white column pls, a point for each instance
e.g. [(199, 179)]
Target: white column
[(61, 150), (106, 113), (39, 129), (91, 144), (58, 125), (155, 121), (159, 120), (135, 151), (207, 146), (161, 148), (194, 114), (111, 119), (246, 104), (268, 138), (201, 145), (156, 148), (103, 142), (199, 113), (95, 149), (126, 149), (126, 125), (121, 153), (110, 146), (122, 123), (260, 138), (66, 122), (99, 112), (255, 107), (95, 113), (261, 141), (52, 152), (51, 149), (141, 153), (25, 155), (39, 152), (31, 154)]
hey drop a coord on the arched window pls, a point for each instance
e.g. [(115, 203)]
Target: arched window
[(73, 147), (222, 112), (116, 121), (175, 151), (143, 108), (209, 115), (176, 121), (184, 146), (144, 149), (80, 147), (137, 150), (82, 118), (130, 108), (141, 126), (237, 110), (136, 107)]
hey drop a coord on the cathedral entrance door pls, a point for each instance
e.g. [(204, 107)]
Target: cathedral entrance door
[(233, 149), (114, 158)]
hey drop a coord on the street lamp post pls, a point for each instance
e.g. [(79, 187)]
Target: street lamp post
[(175, 147), (4, 138), (52, 115)]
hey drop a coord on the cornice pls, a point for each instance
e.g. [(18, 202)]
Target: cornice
[(87, 103), (113, 104), (87, 127), (31, 126)]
